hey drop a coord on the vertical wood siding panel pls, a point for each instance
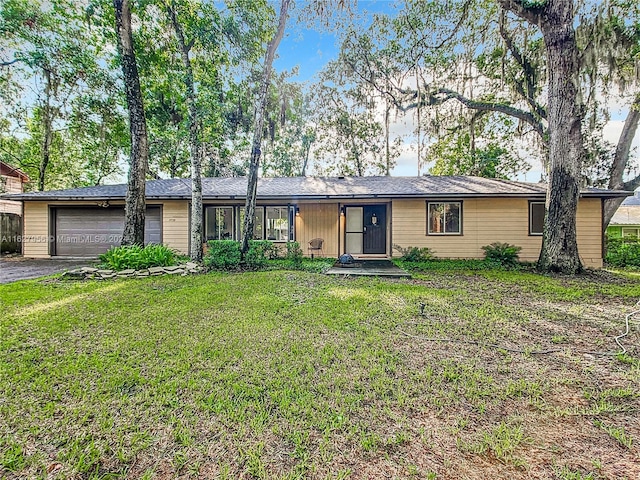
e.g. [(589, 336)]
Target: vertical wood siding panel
[(175, 225), (318, 220)]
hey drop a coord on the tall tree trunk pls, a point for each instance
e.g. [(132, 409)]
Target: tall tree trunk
[(135, 200), (387, 115), (620, 160), (387, 149), (418, 121), (261, 105), (47, 131), (194, 141), (566, 149)]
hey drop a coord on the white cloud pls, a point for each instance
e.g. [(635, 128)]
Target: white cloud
[(406, 163), (613, 128)]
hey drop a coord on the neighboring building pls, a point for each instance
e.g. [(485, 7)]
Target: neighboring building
[(454, 216), (11, 181), (626, 220)]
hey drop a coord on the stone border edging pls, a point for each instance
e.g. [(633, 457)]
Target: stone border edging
[(87, 273)]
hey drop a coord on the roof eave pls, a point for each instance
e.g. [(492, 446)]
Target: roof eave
[(607, 194), (63, 198)]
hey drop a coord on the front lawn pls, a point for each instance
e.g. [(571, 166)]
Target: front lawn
[(299, 375)]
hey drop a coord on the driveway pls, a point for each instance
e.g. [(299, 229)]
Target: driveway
[(18, 268)]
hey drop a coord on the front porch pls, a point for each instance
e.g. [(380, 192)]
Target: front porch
[(369, 268), (362, 229)]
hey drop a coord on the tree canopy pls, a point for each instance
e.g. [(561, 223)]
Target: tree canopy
[(477, 80)]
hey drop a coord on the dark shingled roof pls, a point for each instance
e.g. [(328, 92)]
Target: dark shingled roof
[(318, 188)]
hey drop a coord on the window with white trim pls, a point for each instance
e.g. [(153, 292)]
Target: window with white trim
[(630, 232), (536, 218), (444, 218)]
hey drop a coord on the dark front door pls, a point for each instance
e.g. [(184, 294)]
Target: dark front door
[(375, 229)]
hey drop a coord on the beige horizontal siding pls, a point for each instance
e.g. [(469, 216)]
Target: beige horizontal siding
[(589, 224), (485, 221), (318, 220), (35, 242), (175, 225)]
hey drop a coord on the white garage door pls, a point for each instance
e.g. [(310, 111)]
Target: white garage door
[(88, 232)]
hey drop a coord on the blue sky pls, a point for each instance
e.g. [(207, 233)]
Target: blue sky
[(308, 50), (311, 49)]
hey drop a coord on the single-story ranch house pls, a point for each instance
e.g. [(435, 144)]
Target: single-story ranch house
[(365, 216)]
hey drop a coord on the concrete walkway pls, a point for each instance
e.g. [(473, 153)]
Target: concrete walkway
[(370, 268), (18, 268)]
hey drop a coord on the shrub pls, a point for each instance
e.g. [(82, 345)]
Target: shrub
[(502, 253), (272, 251), (448, 265), (155, 255), (222, 255), (226, 255), (414, 254), (623, 252), (137, 257), (121, 258), (266, 249), (294, 253), (259, 252)]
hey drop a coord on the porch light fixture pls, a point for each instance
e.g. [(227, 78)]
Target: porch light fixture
[(297, 211), (342, 211)]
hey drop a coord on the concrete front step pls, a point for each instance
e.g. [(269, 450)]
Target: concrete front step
[(369, 268)]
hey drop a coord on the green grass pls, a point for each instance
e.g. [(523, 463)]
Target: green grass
[(310, 265), (617, 433), (500, 442), (566, 473), (291, 374)]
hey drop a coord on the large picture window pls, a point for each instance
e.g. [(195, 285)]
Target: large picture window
[(258, 224), (270, 223), (444, 218), (277, 224), (219, 223), (536, 218)]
